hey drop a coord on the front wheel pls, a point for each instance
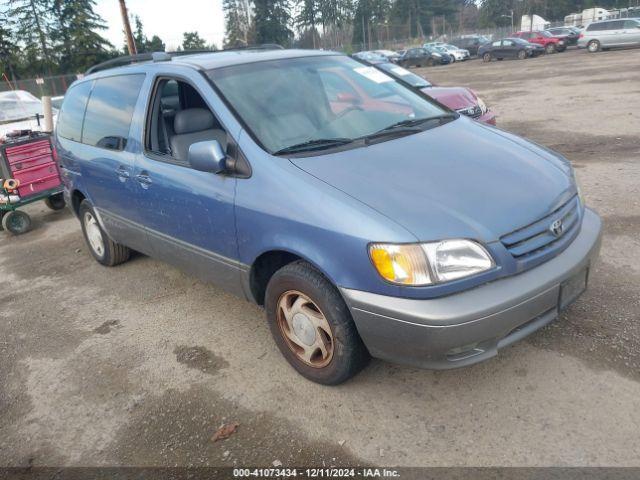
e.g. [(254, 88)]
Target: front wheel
[(486, 57), (593, 46), (522, 55), (551, 48), (104, 250), (312, 325), (16, 222)]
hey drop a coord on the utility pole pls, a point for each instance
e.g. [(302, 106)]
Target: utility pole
[(131, 43)]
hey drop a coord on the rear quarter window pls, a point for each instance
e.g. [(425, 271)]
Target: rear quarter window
[(110, 111), (69, 123)]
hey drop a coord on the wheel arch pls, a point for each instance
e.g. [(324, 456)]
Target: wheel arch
[(76, 199), (269, 262)]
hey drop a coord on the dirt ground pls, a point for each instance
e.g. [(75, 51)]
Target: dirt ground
[(140, 364)]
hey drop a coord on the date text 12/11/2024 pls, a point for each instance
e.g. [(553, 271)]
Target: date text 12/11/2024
[(303, 473)]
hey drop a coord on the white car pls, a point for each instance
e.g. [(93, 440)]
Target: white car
[(18, 110), (458, 54)]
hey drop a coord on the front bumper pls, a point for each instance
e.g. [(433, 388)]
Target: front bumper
[(469, 327)]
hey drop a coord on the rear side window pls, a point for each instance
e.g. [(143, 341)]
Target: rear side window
[(110, 110), (72, 112)]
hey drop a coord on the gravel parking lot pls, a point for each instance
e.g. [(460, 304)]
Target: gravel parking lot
[(140, 364)]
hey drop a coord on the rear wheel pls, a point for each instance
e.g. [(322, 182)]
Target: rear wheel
[(593, 46), (522, 55), (16, 222), (551, 48), (55, 202), (486, 57), (104, 250), (312, 325)]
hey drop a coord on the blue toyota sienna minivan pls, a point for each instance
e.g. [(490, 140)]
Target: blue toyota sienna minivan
[(366, 218)]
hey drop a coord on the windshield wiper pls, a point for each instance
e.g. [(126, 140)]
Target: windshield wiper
[(316, 144), (409, 126)]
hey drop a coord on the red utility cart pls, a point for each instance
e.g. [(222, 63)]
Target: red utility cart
[(29, 173)]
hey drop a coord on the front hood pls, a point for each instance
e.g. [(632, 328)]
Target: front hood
[(461, 180), (456, 98)]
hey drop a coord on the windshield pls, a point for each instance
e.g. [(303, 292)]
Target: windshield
[(316, 99), (404, 75)]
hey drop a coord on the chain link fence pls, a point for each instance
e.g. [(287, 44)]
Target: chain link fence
[(52, 86)]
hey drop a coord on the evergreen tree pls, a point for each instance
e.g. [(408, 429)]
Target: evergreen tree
[(193, 41), (237, 20), (155, 44), (271, 21), (309, 15), (8, 48), (32, 19), (139, 36), (368, 16), (76, 32)]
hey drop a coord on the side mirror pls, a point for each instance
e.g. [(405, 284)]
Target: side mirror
[(207, 157)]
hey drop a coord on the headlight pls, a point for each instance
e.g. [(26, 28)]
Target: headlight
[(429, 263), (483, 106), (436, 55)]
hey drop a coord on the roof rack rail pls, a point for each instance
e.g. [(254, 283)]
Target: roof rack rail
[(167, 56), (129, 59), (264, 46)]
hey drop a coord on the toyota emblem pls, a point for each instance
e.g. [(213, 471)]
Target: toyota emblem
[(557, 228)]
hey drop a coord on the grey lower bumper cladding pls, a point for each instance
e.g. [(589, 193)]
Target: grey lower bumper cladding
[(471, 326)]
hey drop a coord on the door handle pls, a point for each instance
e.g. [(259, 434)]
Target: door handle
[(144, 180), (123, 173)]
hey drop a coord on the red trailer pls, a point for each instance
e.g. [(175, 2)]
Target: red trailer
[(28, 173)]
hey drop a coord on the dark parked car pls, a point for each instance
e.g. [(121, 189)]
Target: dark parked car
[(569, 35), (423, 57), (509, 48), (471, 43)]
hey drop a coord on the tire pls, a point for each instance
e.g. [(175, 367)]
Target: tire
[(522, 55), (56, 202), (102, 248), (16, 222), (594, 46), (2, 214), (486, 57), (430, 62), (551, 48), (320, 303)]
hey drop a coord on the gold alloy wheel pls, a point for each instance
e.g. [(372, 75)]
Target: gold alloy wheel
[(305, 329)]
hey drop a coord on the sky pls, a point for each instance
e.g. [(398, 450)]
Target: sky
[(167, 19)]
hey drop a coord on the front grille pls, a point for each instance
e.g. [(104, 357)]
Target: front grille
[(540, 237), (473, 112)]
